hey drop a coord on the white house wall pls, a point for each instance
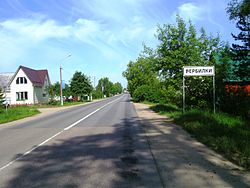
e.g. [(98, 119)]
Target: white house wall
[(14, 88)]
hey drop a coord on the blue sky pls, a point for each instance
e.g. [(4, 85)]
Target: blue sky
[(102, 36)]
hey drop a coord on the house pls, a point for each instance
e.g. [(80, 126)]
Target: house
[(236, 86), (4, 84), (5, 79), (27, 86)]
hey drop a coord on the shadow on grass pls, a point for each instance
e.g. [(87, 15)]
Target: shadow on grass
[(165, 108)]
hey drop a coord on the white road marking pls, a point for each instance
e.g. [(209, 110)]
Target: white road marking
[(80, 120), (65, 129)]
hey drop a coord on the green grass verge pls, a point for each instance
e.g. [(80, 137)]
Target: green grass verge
[(19, 112), (225, 134), (15, 113), (58, 104)]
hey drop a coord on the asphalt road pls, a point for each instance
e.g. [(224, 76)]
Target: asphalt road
[(100, 144)]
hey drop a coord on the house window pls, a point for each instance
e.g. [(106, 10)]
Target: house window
[(21, 80), (21, 96)]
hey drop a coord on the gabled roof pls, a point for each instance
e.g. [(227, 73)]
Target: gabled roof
[(37, 77), (5, 79)]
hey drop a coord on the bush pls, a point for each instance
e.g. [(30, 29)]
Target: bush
[(53, 102), (97, 94), (148, 93)]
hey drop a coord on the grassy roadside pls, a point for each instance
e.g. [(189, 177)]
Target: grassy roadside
[(20, 112), (226, 134), (15, 113), (58, 104)]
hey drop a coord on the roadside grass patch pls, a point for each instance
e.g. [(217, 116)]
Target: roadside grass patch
[(74, 103), (57, 104), (18, 112), (227, 134)]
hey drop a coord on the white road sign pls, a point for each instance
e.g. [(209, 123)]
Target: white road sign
[(198, 71)]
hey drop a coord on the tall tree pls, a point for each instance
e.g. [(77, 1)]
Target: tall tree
[(80, 84), (239, 11), (141, 72), (116, 88), (180, 45), (172, 55), (105, 86)]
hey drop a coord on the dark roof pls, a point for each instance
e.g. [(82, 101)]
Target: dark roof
[(37, 77)]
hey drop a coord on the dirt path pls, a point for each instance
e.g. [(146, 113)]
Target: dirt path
[(184, 162)]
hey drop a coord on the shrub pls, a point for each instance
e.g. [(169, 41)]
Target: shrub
[(147, 93), (97, 94)]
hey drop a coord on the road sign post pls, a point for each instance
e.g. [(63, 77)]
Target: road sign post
[(198, 71), (183, 94)]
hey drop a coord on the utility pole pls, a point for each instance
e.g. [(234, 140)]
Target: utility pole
[(61, 93)]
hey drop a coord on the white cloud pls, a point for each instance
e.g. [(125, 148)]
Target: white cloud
[(21, 37), (35, 29), (191, 11)]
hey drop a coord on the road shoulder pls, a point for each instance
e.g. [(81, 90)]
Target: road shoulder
[(184, 162), (43, 113)]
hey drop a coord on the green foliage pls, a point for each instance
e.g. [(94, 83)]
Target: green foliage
[(224, 133), (147, 93), (1, 97), (105, 86), (80, 85), (15, 113), (239, 11), (97, 94), (67, 90), (140, 72), (179, 45), (56, 88), (116, 88)]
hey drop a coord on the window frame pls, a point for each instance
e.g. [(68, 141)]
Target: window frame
[(22, 96), (21, 80)]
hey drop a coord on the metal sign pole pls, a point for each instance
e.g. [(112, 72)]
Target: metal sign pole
[(214, 92), (183, 95), (198, 71)]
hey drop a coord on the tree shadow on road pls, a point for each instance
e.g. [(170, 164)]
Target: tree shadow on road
[(111, 159)]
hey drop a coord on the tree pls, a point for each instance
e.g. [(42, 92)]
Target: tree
[(239, 11), (1, 97), (56, 88), (116, 88), (80, 85), (180, 45), (67, 90), (141, 72), (105, 86)]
